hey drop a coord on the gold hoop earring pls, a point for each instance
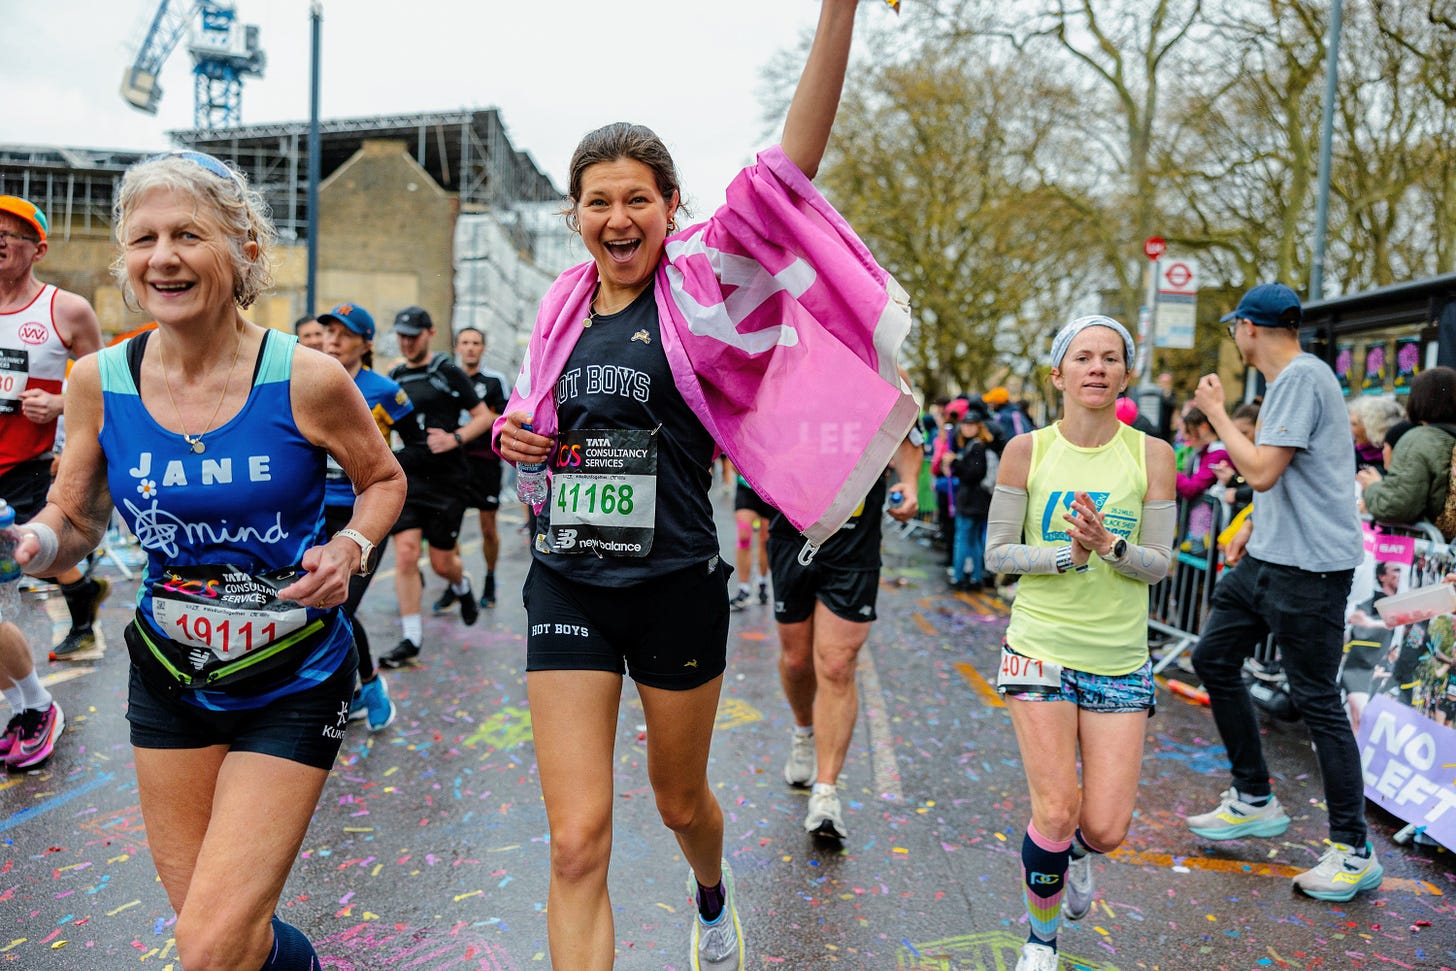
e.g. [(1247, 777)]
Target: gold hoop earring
[(672, 226)]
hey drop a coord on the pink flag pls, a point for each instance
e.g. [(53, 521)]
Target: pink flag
[(781, 331)]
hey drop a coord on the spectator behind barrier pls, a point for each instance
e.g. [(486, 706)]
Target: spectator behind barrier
[(1370, 416), (1414, 486), (1200, 474)]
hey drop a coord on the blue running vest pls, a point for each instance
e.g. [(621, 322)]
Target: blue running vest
[(254, 498)]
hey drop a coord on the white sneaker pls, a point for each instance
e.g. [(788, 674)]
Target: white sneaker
[(1036, 957), (1340, 874), (1079, 888), (1234, 819), (717, 946), (825, 818), (802, 765)]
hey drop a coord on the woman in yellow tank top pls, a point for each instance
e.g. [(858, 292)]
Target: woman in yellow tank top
[(1084, 512)]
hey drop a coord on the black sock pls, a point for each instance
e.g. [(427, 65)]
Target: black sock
[(711, 901), (78, 602)]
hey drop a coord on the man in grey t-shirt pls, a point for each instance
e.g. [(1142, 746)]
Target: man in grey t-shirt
[(1296, 557)]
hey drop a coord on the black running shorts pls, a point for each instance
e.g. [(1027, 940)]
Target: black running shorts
[(25, 487), (849, 594), (438, 515), (746, 498), (306, 727), (670, 632), (483, 492)]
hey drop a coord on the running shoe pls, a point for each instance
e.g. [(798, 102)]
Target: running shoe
[(379, 710), (1340, 874), (39, 732), (446, 601), (825, 818), (1079, 888), (740, 599), (1036, 957), (9, 738), (1234, 819), (487, 591), (469, 608), (763, 591), (358, 711), (77, 645), (802, 765), (717, 946), (403, 653)]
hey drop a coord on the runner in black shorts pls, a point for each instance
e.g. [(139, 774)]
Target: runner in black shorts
[(437, 474), (484, 466), (752, 516), (824, 612)]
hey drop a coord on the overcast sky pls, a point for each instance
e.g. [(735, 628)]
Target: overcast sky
[(690, 69)]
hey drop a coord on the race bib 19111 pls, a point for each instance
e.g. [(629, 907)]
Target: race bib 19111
[(224, 610), (604, 492)]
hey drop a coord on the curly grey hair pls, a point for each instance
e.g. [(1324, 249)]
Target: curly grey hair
[(225, 199), (1377, 413)]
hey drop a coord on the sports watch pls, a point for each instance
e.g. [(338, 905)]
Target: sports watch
[(368, 554), (1118, 551)]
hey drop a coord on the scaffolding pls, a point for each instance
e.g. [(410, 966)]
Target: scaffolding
[(468, 152)]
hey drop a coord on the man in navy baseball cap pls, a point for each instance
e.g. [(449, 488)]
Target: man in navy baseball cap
[(1268, 305), (353, 317)]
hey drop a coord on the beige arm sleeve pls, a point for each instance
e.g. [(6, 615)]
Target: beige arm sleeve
[(1149, 561), (1005, 552)]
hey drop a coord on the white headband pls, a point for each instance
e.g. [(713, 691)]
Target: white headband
[(1063, 340)]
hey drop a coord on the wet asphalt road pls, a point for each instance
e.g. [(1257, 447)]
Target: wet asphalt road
[(429, 848)]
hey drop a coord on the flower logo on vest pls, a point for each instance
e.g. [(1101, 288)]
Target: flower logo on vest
[(33, 332)]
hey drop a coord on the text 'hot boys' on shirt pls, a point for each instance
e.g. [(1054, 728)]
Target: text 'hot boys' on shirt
[(625, 432)]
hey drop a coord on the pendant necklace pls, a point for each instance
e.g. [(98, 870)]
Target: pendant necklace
[(591, 312), (196, 444)]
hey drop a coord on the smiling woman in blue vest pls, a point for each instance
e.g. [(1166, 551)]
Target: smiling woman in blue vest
[(210, 436)]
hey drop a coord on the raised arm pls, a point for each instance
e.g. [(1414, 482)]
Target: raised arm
[(816, 100)]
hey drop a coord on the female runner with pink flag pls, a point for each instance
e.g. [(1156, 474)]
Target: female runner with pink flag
[(742, 331)]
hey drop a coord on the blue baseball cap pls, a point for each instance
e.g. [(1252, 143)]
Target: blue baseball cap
[(352, 316), (1268, 305)]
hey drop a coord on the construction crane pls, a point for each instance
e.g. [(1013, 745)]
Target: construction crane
[(223, 53)]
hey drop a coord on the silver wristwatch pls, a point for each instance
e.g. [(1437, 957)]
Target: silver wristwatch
[(368, 555)]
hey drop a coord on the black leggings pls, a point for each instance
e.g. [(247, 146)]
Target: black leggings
[(335, 519)]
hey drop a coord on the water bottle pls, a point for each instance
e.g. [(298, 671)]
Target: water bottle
[(10, 571), (896, 497), (531, 480)]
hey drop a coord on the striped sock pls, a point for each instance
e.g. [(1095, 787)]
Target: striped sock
[(1043, 874)]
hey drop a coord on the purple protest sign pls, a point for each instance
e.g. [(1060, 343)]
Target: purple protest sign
[(1407, 759)]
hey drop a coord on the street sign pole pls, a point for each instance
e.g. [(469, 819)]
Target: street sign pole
[(1153, 248)]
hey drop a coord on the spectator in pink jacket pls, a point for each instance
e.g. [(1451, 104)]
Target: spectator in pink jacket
[(1194, 481)]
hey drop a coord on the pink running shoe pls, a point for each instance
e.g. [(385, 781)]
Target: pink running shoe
[(39, 731), (8, 739)]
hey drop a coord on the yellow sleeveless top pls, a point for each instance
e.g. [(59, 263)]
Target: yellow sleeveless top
[(1095, 621)]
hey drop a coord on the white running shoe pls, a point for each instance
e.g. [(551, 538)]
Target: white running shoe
[(825, 818), (1037, 957), (717, 946), (802, 765), (1079, 888), (1234, 819), (1341, 873)]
